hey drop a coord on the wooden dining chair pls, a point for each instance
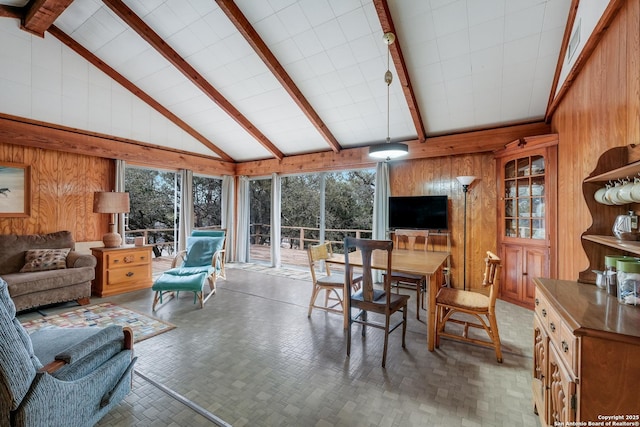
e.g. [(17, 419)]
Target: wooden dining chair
[(370, 298), (450, 301), (331, 284), (411, 240)]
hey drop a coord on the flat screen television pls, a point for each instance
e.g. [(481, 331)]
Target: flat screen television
[(419, 212)]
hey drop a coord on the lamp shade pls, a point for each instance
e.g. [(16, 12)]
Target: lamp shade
[(388, 150), (110, 202), (466, 180)]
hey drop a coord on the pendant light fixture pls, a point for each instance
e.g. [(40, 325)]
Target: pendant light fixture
[(388, 150)]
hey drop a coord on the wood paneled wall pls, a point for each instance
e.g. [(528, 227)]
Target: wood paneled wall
[(437, 176), (62, 186), (600, 111)]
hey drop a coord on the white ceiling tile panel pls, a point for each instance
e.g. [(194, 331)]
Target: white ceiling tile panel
[(490, 58), (220, 25), (524, 23), (368, 48), (488, 79), (450, 18), (340, 7), (268, 25), (122, 48), (457, 67), (519, 72), (288, 51), (317, 11), (342, 57), (479, 12), (555, 16), (278, 5), (72, 18), (308, 43), (93, 33), (354, 24), (521, 50), (294, 20), (454, 44), (330, 34), (486, 34)]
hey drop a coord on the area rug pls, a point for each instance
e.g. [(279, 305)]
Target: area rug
[(104, 314)]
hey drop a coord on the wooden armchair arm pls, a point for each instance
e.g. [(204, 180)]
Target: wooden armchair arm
[(218, 256), (179, 259)]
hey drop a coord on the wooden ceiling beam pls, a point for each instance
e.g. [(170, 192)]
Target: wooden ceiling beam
[(384, 15), (98, 63), (10, 12), (151, 37), (33, 133), (471, 142), (245, 28), (41, 14)]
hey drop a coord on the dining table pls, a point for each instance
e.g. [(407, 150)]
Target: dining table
[(428, 263)]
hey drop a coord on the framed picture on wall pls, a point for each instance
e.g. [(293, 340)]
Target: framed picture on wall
[(15, 190)]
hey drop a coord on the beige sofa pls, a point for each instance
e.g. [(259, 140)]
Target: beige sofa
[(68, 278)]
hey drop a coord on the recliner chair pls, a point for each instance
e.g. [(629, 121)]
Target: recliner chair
[(86, 371)]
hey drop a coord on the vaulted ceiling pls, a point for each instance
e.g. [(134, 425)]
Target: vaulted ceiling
[(260, 79)]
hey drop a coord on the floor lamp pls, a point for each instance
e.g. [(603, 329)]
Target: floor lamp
[(465, 181)]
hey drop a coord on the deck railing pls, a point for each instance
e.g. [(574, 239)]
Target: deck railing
[(297, 237), (292, 237)]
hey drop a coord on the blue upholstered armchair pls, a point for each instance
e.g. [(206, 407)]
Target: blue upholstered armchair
[(201, 264), (87, 371)]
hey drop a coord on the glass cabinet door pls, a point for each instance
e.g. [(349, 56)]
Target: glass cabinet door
[(524, 198)]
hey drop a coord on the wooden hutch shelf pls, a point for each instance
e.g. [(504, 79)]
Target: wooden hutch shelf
[(610, 241), (629, 170), (615, 164)]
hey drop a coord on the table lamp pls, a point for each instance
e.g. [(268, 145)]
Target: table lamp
[(112, 203)]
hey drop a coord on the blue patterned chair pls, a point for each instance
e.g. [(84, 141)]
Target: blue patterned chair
[(86, 371), (194, 269)]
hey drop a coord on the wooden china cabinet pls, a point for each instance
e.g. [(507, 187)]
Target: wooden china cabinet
[(527, 173)]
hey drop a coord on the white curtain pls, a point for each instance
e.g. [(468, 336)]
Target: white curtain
[(243, 220), (186, 208), (228, 212), (276, 189), (380, 202), (120, 177)]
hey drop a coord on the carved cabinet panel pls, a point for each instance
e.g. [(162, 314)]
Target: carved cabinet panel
[(585, 353)]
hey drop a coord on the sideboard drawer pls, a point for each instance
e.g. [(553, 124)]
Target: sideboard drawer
[(126, 258), (542, 308), (126, 275)]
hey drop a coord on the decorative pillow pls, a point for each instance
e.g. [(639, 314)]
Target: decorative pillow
[(45, 259)]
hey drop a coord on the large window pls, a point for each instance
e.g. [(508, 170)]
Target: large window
[(300, 211), (349, 204), (155, 206), (207, 202), (154, 201), (260, 219), (314, 208)]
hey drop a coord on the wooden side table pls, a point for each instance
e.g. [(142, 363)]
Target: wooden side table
[(123, 269)]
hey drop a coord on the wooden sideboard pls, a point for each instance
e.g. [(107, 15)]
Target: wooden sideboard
[(123, 269), (586, 355)]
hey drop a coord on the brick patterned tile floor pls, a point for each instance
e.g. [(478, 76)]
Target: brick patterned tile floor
[(253, 358)]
